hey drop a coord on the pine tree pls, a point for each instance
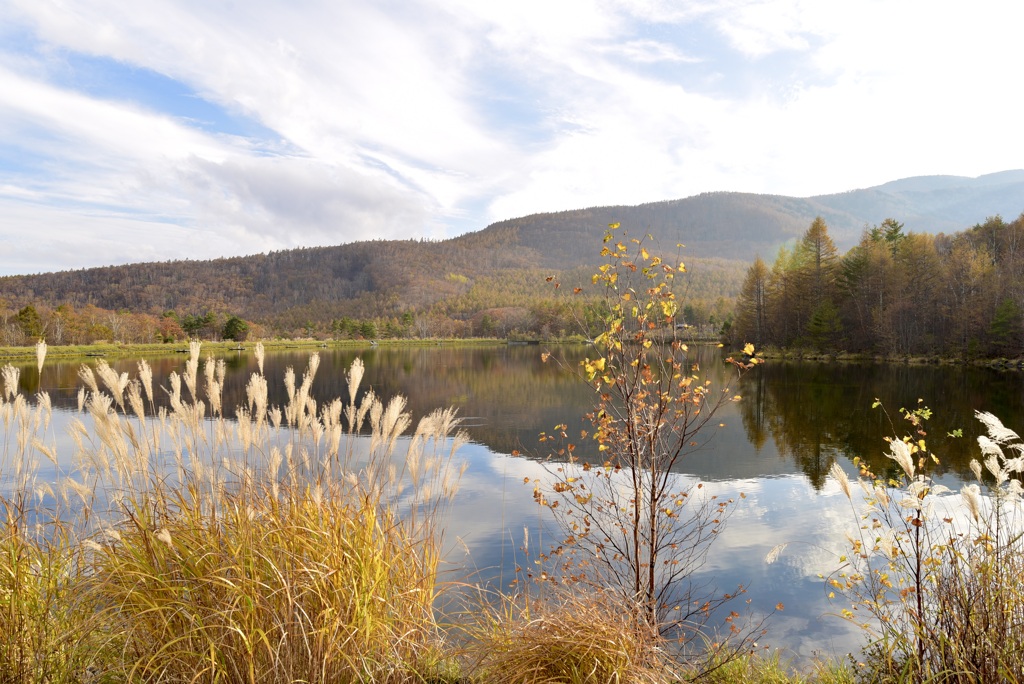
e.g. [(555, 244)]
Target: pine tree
[(1006, 327), (752, 306), (824, 328)]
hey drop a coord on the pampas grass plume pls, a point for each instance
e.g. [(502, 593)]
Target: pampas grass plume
[(40, 354)]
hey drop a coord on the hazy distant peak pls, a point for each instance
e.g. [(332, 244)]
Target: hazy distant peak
[(934, 183)]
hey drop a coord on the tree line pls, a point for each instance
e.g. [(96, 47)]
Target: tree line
[(895, 293), (68, 325)]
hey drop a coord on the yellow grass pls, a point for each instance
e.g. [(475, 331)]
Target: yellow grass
[(182, 546)]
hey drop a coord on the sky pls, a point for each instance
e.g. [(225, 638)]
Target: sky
[(194, 129)]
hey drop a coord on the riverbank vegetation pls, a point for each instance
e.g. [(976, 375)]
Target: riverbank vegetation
[(932, 576), (294, 543), (475, 286), (895, 294), (175, 545), (101, 349)]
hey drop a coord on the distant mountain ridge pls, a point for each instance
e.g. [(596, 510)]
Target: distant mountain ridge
[(504, 264), (736, 225)]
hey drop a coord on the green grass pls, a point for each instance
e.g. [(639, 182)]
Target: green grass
[(27, 353)]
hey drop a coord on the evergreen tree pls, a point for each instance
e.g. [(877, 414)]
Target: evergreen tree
[(1005, 329), (824, 329), (487, 326), (752, 306), (368, 330), (30, 322), (235, 329)]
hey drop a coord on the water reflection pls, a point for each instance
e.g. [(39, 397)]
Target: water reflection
[(806, 414), (814, 413), (775, 446)]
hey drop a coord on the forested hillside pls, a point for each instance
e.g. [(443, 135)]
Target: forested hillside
[(487, 283), (897, 292), (492, 282)]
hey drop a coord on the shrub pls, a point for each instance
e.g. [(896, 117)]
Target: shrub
[(936, 574)]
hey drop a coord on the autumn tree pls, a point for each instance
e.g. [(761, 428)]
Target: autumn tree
[(783, 311), (911, 323), (967, 285), (814, 282), (865, 286), (169, 329), (643, 530), (752, 305)]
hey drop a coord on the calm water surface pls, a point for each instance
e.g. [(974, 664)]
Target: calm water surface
[(776, 447)]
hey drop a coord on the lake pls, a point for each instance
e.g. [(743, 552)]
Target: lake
[(775, 446)]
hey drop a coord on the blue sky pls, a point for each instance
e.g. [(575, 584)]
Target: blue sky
[(191, 129)]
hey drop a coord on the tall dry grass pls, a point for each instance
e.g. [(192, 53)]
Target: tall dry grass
[(934, 575), (296, 543), (566, 636)]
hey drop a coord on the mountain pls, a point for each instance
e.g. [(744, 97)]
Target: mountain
[(504, 264), (735, 225)]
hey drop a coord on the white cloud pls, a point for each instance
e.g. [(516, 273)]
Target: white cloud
[(291, 199), (760, 28), (427, 117), (650, 51)]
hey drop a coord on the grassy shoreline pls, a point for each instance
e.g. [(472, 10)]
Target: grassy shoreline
[(26, 354), (113, 349), (779, 354)]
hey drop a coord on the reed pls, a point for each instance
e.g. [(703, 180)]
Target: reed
[(933, 575), (284, 547)]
